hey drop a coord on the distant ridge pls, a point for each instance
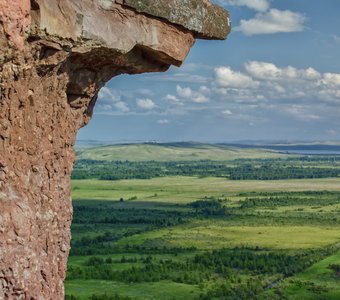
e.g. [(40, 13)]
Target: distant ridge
[(287, 147), (175, 151)]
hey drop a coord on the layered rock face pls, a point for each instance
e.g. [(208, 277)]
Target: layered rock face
[(55, 55)]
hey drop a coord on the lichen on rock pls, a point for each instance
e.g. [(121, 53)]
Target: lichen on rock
[(55, 55)]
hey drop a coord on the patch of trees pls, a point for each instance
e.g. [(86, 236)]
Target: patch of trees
[(131, 221), (273, 201), (202, 267), (100, 297), (128, 221), (212, 207), (335, 268), (152, 271), (117, 170), (260, 262), (257, 169), (105, 243), (275, 172), (310, 286), (109, 214), (241, 291)]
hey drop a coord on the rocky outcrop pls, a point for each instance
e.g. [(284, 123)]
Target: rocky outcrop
[(55, 55)]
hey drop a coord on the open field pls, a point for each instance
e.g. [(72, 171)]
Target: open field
[(203, 222), (153, 245), (187, 189), (160, 290), (208, 235)]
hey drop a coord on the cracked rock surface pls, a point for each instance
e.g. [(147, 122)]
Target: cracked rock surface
[(55, 55)]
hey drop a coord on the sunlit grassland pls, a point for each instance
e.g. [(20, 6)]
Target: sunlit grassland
[(166, 290), (304, 284), (116, 257), (185, 189), (281, 228), (173, 152), (207, 235)]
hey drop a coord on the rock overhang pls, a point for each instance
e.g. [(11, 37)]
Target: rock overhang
[(167, 28), (55, 55)]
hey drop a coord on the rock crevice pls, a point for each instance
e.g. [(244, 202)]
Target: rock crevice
[(55, 55)]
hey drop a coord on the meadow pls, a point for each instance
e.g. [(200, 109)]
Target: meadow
[(205, 237), (184, 189)]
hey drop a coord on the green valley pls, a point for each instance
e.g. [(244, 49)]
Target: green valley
[(199, 236)]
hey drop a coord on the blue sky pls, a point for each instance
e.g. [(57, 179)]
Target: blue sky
[(276, 77)]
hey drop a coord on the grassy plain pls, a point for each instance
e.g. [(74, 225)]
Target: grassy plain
[(173, 152), (185, 189), (203, 237), (212, 234), (274, 228), (166, 290)]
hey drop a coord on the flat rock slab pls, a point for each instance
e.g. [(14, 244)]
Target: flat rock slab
[(207, 20)]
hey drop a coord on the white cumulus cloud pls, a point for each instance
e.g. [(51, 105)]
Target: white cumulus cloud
[(272, 21), (185, 92), (226, 77), (263, 70), (265, 82), (268, 71), (189, 94), (145, 103), (331, 79), (110, 101)]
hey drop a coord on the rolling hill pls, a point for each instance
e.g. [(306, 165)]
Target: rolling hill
[(182, 151)]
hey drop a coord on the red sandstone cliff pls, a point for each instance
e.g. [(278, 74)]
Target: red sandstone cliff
[(55, 55)]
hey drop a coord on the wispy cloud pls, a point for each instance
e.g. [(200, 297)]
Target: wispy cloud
[(257, 92), (109, 95), (110, 100), (258, 5), (301, 112), (336, 38), (122, 106), (178, 77), (163, 121), (227, 113), (173, 99), (272, 21)]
